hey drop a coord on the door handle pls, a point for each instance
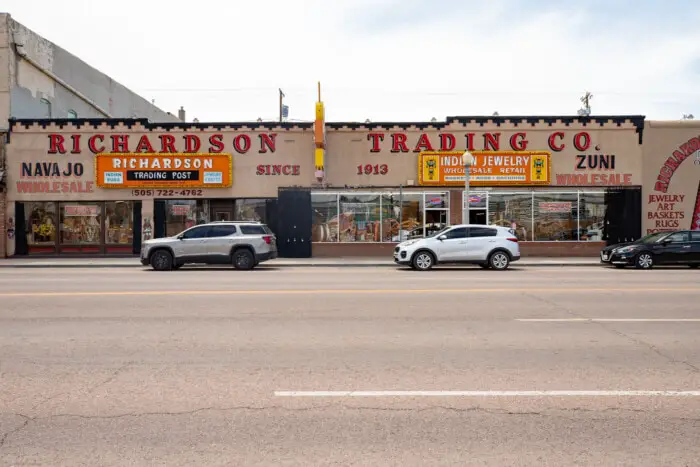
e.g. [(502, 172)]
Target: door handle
[(686, 246)]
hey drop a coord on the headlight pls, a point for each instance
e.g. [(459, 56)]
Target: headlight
[(625, 249), (409, 243)]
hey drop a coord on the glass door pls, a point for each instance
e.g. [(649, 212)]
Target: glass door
[(478, 212), (436, 212)]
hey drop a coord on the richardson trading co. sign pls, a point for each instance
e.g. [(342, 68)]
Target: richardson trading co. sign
[(164, 143), (490, 141), (489, 168)]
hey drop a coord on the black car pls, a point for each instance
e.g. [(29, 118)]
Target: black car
[(661, 248)]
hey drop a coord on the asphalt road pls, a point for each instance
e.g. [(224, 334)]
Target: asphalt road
[(205, 367)]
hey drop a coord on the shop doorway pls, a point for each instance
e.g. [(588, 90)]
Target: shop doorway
[(478, 216), (221, 210), (294, 225)]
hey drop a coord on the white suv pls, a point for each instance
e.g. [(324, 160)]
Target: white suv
[(242, 244), (488, 246)]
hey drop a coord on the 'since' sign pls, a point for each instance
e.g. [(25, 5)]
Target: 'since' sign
[(490, 168), (163, 171)]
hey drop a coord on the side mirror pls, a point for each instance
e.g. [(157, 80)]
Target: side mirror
[(442, 237), (666, 241), (180, 237)]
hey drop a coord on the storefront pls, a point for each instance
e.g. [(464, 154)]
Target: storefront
[(671, 176), (101, 187), (566, 185)]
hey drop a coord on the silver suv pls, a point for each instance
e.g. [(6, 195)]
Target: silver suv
[(242, 244)]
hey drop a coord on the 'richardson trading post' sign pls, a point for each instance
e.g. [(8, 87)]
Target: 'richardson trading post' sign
[(490, 168), (178, 170)]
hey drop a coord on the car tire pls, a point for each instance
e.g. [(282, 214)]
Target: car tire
[(499, 260), (243, 260), (162, 260), (423, 261), (644, 260)]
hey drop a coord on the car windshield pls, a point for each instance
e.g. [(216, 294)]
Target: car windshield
[(653, 238)]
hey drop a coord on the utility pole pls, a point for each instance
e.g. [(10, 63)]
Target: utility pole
[(282, 96)]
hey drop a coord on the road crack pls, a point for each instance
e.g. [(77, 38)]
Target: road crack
[(606, 327)]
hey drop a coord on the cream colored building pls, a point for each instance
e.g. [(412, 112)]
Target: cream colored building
[(565, 184)]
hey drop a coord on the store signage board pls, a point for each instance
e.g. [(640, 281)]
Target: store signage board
[(80, 210), (178, 170), (490, 168), (555, 206)]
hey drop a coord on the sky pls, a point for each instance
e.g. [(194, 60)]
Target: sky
[(386, 60)]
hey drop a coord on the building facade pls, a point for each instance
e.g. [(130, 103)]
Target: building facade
[(567, 185), (39, 79), (671, 176)]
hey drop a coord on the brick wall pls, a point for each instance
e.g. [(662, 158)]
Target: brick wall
[(527, 249)]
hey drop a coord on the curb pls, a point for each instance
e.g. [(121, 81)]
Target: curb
[(270, 266)]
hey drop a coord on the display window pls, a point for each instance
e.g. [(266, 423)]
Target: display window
[(352, 217), (555, 217), (550, 215), (81, 223), (180, 215), (42, 223), (250, 210), (119, 222)]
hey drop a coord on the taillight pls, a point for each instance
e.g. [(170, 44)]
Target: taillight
[(267, 238), (512, 239)]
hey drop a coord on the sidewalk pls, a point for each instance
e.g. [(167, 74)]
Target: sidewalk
[(356, 262)]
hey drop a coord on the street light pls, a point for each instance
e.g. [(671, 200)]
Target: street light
[(467, 161)]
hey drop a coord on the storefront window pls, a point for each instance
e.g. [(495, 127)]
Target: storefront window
[(402, 216), (592, 215), (512, 210), (182, 214), (556, 216), (250, 210), (119, 222), (325, 217), (81, 223), (41, 223), (359, 218)]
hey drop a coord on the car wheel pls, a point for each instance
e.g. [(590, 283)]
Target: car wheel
[(644, 261), (499, 261), (162, 260), (423, 261), (243, 260)]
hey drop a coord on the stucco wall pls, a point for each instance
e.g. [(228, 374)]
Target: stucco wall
[(350, 146), (28, 85), (671, 188)]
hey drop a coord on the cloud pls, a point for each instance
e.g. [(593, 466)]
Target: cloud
[(388, 59)]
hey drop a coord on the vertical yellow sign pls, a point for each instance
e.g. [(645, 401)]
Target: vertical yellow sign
[(538, 168), (431, 168)]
